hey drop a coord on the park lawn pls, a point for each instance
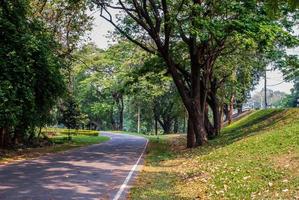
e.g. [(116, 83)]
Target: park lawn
[(256, 157), (60, 143)]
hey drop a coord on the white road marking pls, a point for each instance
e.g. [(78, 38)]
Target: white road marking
[(125, 183)]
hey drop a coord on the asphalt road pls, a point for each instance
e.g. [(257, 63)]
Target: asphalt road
[(94, 172)]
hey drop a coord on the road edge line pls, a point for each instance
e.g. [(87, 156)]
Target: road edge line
[(125, 183)]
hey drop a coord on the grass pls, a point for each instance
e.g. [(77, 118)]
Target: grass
[(70, 131), (256, 157), (60, 143)]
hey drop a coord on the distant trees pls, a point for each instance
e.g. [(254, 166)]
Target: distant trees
[(117, 90), (291, 100)]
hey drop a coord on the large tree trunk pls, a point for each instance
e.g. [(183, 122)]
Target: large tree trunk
[(193, 96), (190, 135), (197, 118)]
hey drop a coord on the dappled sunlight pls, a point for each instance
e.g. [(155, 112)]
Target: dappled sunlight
[(94, 172)]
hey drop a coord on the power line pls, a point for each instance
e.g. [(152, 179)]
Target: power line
[(276, 84)]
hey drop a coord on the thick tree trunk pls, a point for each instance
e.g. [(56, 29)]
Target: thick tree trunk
[(216, 109), (208, 126), (197, 118), (193, 96), (190, 135)]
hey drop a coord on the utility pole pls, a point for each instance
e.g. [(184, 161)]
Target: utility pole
[(266, 104)]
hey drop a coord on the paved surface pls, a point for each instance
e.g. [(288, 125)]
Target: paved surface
[(94, 172)]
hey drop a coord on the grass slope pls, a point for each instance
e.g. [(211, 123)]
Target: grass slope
[(256, 157)]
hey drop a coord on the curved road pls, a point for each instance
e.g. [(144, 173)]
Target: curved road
[(94, 172)]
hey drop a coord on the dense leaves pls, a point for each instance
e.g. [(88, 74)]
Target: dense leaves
[(192, 37), (30, 77)]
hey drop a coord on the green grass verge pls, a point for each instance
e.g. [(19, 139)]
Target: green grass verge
[(80, 140), (256, 157), (64, 131), (60, 143)]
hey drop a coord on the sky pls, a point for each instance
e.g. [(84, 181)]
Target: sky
[(100, 36)]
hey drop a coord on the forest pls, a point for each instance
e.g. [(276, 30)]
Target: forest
[(174, 67)]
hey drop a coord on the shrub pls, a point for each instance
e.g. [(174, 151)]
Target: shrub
[(80, 132)]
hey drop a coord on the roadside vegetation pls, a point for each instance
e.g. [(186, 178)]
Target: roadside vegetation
[(256, 157), (58, 140), (173, 67)]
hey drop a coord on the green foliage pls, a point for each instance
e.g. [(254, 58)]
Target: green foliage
[(71, 115), (30, 77), (68, 21), (291, 100)]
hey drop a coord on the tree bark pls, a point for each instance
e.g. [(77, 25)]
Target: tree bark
[(190, 135), (199, 130), (121, 113), (216, 109), (211, 132)]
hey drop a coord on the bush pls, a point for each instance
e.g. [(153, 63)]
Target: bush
[(63, 131), (80, 132)]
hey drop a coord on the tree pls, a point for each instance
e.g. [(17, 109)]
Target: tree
[(99, 81), (71, 115), (203, 30), (30, 76), (68, 21)]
